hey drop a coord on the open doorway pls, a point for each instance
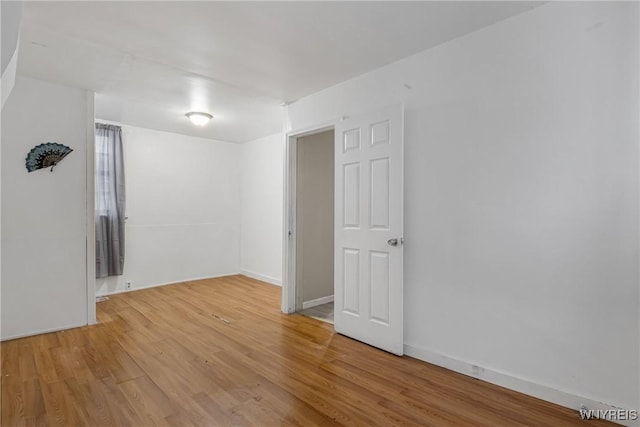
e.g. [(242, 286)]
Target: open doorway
[(314, 211), (308, 241)]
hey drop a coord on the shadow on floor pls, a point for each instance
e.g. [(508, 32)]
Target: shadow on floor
[(322, 312)]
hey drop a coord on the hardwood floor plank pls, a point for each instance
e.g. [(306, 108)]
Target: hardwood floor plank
[(178, 382), (93, 358), (13, 403), (63, 408), (330, 400), (123, 413), (218, 352), (35, 410), (411, 401), (272, 393), (46, 366), (27, 364), (148, 400), (119, 363), (211, 406)]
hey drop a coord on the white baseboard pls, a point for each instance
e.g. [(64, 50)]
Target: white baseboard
[(262, 277), (43, 331), (317, 301), (155, 285), (562, 398)]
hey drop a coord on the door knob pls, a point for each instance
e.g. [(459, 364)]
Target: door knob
[(392, 242)]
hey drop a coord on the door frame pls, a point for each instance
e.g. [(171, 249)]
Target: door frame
[(289, 285), (90, 230)]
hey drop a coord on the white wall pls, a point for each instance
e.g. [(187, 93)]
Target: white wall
[(11, 19), (262, 186), (43, 213), (521, 192), (183, 209)]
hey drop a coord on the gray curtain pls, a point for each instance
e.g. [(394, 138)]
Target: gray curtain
[(110, 201)]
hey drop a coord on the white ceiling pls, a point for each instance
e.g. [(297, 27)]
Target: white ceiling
[(151, 62)]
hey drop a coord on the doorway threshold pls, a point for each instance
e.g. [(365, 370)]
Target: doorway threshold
[(322, 312)]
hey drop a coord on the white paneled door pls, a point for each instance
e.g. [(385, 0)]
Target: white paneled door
[(369, 228)]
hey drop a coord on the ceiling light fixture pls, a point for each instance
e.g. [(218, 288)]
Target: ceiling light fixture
[(199, 118)]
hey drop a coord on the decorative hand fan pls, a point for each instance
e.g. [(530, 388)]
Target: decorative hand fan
[(46, 155)]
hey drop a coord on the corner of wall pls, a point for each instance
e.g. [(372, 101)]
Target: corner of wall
[(9, 77), (90, 202)]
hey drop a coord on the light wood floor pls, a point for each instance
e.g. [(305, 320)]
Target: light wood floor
[(218, 352)]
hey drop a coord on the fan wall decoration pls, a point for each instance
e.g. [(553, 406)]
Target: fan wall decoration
[(46, 155)]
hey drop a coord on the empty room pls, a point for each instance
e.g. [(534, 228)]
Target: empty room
[(320, 213)]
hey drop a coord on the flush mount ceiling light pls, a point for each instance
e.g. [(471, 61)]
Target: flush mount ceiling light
[(199, 118)]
